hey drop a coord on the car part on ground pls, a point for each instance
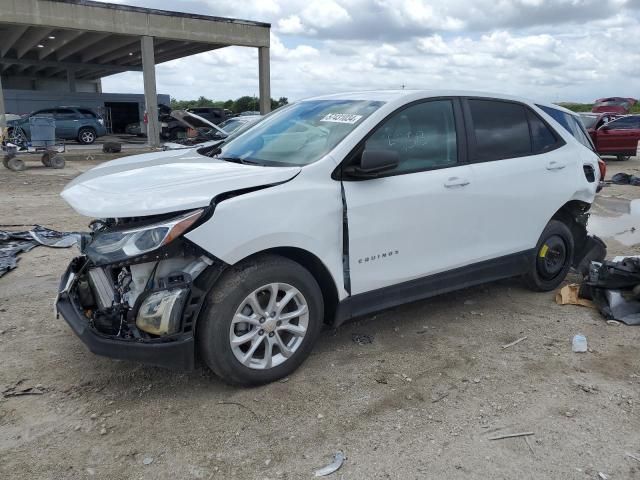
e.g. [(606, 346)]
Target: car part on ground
[(614, 287), (14, 243), (242, 250)]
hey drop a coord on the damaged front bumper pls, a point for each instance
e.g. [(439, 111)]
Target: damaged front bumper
[(153, 325), (178, 354)]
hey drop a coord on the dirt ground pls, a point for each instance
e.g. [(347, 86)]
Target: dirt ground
[(422, 401)]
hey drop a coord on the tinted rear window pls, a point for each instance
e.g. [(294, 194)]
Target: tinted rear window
[(570, 123), (87, 113), (501, 130)]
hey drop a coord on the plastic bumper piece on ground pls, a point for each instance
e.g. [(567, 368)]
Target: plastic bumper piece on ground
[(175, 355)]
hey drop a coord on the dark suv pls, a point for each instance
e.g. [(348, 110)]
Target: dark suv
[(72, 123)]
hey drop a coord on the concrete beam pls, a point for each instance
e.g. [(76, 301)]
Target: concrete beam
[(113, 44), (264, 79), (9, 41), (125, 20), (30, 39), (27, 62), (62, 38), (150, 94), (83, 41), (3, 113)]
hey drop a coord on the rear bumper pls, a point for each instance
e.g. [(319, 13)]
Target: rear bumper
[(178, 354)]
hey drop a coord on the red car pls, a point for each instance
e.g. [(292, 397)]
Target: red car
[(614, 135), (621, 105)]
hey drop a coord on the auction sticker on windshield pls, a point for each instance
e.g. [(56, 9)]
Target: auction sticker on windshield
[(341, 118)]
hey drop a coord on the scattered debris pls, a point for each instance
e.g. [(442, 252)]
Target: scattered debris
[(526, 439), (441, 397), (512, 435), (579, 344), (147, 460), (569, 295), (224, 402), (338, 460), (514, 342), (381, 379), (361, 338), (320, 416), (613, 287), (103, 431), (602, 476), (614, 323), (14, 391), (635, 457), (14, 243)]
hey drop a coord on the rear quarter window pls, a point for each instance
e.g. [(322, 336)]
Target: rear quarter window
[(570, 123)]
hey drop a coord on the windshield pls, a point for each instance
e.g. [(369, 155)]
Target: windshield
[(299, 134), (231, 125)]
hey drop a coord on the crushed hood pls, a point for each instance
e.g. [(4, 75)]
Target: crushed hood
[(163, 182)]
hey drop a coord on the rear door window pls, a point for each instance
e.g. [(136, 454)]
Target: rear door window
[(87, 113), (543, 139), (501, 130)]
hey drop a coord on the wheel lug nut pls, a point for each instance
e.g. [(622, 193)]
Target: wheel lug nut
[(271, 334), (262, 320), (261, 332), (273, 314), (279, 322)]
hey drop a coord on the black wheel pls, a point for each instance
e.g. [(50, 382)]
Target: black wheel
[(15, 164), (57, 161), (87, 136), (260, 321), (554, 254), (623, 158), (45, 159), (17, 136)]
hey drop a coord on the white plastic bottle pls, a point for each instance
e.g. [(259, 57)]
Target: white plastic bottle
[(579, 343)]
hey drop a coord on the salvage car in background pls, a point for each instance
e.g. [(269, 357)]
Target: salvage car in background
[(241, 252), (72, 123), (614, 135), (621, 105)]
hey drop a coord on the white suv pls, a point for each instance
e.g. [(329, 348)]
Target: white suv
[(328, 209)]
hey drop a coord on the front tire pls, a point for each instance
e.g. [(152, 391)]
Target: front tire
[(553, 258), (260, 321), (87, 136)]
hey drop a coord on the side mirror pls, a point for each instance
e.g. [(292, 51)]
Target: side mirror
[(373, 162)]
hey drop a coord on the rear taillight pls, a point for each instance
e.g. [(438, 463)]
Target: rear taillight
[(603, 169)]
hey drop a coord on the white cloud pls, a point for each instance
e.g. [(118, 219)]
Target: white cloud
[(325, 14), (546, 49)]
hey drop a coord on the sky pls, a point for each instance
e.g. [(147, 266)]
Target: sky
[(548, 50)]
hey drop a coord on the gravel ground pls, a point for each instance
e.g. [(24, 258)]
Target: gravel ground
[(421, 401)]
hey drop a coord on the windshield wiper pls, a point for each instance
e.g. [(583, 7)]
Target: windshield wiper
[(242, 161)]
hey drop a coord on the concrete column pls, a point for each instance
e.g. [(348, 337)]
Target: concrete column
[(3, 118), (264, 80), (150, 95), (71, 80)]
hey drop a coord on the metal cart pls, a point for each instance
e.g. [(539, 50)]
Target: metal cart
[(43, 142)]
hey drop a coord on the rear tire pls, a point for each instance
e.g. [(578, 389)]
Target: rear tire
[(57, 162), (16, 164), (221, 329), (553, 258), (623, 158)]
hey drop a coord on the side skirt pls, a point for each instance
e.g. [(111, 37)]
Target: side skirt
[(478, 273)]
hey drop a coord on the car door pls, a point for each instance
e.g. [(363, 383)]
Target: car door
[(67, 123), (522, 175), (414, 220), (619, 136)]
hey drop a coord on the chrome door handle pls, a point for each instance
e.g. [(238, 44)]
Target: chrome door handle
[(455, 182), (555, 166)]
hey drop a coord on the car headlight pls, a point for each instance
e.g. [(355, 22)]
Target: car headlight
[(114, 246)]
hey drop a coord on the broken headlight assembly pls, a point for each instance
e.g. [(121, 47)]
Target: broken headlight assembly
[(110, 246), (160, 313)]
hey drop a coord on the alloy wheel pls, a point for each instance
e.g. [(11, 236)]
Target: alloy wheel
[(87, 137), (269, 326)]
